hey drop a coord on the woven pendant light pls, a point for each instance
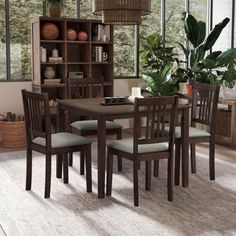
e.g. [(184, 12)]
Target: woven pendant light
[(121, 12)]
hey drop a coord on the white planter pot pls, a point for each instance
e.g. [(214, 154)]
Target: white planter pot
[(227, 93)]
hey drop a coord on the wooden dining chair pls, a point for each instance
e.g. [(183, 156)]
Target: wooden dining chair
[(40, 139), (150, 142), (88, 88), (203, 126)]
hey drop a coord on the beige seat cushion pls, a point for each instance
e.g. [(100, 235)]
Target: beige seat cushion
[(93, 125), (193, 132), (126, 145), (60, 140)]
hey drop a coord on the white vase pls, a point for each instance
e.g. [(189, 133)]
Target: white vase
[(135, 93)]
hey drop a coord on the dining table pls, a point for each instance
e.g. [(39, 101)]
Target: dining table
[(95, 109)]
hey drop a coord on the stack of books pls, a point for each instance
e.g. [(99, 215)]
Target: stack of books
[(55, 59)]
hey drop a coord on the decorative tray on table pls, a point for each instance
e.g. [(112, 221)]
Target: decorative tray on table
[(108, 101)]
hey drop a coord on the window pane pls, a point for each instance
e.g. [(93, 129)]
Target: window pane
[(198, 9), (70, 9), (150, 23), (20, 14), (86, 10), (222, 9), (3, 71), (124, 50), (175, 32), (174, 24)]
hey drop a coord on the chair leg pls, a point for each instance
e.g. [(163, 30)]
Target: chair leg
[(212, 159), (156, 168), (170, 179), (48, 176), (82, 163), (119, 159), (65, 169), (148, 175), (177, 162), (193, 157), (59, 166), (135, 179), (88, 169), (28, 169), (70, 159), (109, 172)]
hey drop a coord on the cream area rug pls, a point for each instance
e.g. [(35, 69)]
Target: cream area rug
[(205, 208)]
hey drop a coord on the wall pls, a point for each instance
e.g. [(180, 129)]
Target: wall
[(10, 96)]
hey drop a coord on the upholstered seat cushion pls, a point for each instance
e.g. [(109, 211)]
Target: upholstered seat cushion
[(126, 145), (193, 132), (61, 140), (93, 125)]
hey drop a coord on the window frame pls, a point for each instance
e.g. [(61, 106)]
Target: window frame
[(136, 39)]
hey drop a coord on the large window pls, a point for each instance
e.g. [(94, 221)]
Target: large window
[(20, 46), (15, 45), (222, 9)]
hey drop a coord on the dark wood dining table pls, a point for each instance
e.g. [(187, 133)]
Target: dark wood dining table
[(93, 108)]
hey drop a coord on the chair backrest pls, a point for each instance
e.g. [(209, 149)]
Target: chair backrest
[(37, 115), (204, 104), (85, 88), (159, 115)]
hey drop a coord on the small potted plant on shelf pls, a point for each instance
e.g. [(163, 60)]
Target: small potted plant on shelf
[(55, 7)]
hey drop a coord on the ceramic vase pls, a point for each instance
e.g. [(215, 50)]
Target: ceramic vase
[(136, 92), (49, 72)]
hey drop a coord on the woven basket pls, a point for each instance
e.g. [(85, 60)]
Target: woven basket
[(13, 133)]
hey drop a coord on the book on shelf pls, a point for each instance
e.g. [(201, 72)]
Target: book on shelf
[(101, 33)]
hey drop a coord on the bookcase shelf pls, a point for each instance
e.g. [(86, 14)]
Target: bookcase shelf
[(74, 56)]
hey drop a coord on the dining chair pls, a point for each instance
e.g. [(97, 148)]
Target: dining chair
[(202, 127), (88, 88), (41, 139), (150, 141)]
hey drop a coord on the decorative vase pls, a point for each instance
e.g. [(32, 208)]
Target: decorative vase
[(49, 72), (55, 10), (82, 36), (71, 34), (49, 31), (135, 93)]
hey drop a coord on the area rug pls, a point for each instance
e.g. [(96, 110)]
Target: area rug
[(2, 233), (204, 208)]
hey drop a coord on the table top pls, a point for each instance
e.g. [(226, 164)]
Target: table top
[(93, 106)]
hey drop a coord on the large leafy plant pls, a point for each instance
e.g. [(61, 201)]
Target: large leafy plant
[(157, 67), (203, 64)]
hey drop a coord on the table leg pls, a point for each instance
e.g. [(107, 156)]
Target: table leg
[(185, 147), (101, 149)]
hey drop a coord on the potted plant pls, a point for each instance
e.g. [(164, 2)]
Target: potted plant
[(159, 64), (215, 67), (55, 7)]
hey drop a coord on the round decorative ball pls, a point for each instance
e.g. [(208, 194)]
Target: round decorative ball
[(82, 36), (49, 31), (71, 34)]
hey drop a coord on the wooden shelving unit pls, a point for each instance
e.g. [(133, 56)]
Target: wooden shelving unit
[(78, 56)]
